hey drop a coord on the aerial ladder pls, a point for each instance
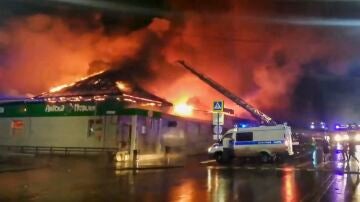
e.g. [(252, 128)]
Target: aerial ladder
[(260, 116)]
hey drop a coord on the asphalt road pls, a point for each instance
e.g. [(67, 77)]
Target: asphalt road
[(95, 179)]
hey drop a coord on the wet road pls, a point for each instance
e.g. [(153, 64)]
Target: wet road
[(94, 179)]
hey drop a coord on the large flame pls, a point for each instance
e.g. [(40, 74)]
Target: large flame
[(183, 109), (260, 62), (59, 88)]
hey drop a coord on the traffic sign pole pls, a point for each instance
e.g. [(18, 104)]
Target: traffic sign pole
[(218, 118)]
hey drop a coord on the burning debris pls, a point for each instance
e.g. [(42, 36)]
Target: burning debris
[(99, 86), (59, 88)]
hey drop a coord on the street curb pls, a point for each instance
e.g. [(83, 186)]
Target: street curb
[(303, 155), (277, 169), (20, 169), (149, 168)]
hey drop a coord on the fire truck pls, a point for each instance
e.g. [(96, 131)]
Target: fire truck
[(269, 141)]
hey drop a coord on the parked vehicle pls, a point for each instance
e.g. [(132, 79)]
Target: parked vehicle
[(267, 142)]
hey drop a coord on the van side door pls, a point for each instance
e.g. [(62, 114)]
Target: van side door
[(243, 143)]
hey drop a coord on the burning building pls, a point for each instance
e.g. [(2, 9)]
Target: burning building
[(107, 110)]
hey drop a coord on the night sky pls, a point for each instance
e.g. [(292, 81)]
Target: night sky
[(318, 93)]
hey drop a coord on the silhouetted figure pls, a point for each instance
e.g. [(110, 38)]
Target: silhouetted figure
[(351, 151), (326, 149), (344, 152)]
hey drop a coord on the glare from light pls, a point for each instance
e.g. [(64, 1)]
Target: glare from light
[(337, 138), (121, 156), (345, 137), (122, 86), (183, 109), (357, 137), (114, 6), (325, 22), (339, 165), (339, 146)]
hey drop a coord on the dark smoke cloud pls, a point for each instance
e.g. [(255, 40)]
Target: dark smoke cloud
[(61, 50), (288, 70)]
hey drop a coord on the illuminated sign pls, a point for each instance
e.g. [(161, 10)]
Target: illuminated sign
[(55, 108), (83, 108), (69, 108), (218, 106), (17, 124)]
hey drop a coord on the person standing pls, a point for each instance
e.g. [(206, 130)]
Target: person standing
[(326, 149), (344, 151), (351, 151), (313, 149)]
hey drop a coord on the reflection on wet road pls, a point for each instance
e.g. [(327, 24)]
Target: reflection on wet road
[(289, 189), (93, 179)]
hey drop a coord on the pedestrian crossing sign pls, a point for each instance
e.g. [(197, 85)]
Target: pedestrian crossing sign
[(218, 106)]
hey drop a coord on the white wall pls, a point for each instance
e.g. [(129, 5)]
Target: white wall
[(189, 135), (56, 131), (194, 137)]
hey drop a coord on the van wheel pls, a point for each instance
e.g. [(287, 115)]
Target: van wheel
[(227, 157), (223, 157), (265, 157), (219, 157), (278, 158)]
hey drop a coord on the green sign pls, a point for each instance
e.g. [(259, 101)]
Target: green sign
[(44, 109)]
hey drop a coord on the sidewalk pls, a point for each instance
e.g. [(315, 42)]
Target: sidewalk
[(16, 162), (152, 161), (18, 168)]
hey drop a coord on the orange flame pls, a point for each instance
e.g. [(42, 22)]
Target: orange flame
[(59, 88), (122, 86), (183, 109)]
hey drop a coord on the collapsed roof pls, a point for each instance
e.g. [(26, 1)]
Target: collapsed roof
[(111, 83)]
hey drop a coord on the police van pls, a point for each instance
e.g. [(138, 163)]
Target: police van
[(267, 142)]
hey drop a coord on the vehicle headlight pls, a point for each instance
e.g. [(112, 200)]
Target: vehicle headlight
[(337, 138), (357, 137)]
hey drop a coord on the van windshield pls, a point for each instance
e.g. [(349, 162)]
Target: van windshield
[(228, 135)]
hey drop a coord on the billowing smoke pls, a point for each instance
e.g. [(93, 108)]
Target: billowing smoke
[(261, 61), (41, 51)]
